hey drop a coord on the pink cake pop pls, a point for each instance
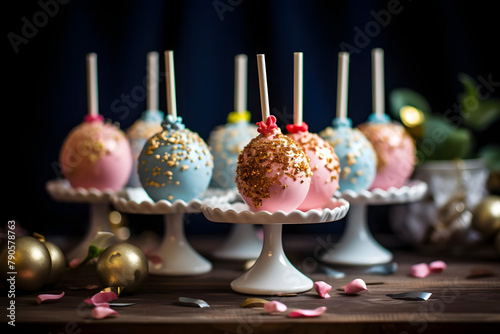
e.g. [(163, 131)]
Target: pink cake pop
[(324, 162), (394, 146), (95, 154), (273, 171)]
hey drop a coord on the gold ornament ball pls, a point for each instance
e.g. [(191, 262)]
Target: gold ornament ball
[(122, 265), (58, 260), (486, 216), (30, 259)]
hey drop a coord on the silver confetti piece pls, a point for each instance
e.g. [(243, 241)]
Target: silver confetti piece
[(193, 302), (331, 272), (383, 269), (120, 304), (411, 295)]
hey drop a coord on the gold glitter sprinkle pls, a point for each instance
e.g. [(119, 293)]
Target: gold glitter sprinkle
[(170, 197), (345, 172), (184, 167)]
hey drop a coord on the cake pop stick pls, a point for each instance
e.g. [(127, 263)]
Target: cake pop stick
[(92, 96), (264, 98), (297, 88), (170, 76), (342, 85), (378, 81), (152, 97), (240, 83)]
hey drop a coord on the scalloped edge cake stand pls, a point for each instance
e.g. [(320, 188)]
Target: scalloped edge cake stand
[(357, 246), (178, 257), (61, 191), (273, 273), (243, 242)]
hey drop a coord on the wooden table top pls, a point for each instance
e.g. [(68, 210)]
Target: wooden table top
[(457, 304)]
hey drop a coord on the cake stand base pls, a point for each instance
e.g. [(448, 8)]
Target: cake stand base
[(242, 244), (272, 273), (176, 254), (357, 247)]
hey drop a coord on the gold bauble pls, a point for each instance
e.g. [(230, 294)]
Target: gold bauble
[(122, 265), (30, 263), (58, 260), (486, 216)]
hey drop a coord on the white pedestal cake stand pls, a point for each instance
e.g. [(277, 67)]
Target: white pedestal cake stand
[(243, 242), (357, 247), (177, 256), (61, 191), (272, 273)]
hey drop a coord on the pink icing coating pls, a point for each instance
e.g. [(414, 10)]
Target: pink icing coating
[(325, 167), (96, 155), (291, 188), (395, 150)]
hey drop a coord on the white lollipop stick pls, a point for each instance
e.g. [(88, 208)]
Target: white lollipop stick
[(240, 83), (342, 85), (378, 81), (264, 98), (92, 96), (297, 88), (153, 80), (170, 76)]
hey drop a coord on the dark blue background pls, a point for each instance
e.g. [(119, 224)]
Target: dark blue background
[(427, 44)]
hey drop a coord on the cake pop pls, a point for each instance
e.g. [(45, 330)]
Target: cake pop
[(175, 164), (323, 160), (356, 155), (95, 154), (394, 146), (273, 171), (150, 121), (228, 140)]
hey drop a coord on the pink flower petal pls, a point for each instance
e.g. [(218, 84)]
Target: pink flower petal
[(307, 313), (43, 297), (101, 298), (274, 306), (154, 259), (322, 288), (75, 262), (355, 286), (101, 312), (437, 267), (420, 270)]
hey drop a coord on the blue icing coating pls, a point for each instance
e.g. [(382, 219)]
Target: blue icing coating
[(226, 142), (155, 116), (356, 155), (175, 163), (382, 119)]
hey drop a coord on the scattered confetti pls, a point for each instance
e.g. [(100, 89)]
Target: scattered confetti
[(274, 306), (193, 302), (47, 297), (101, 312), (298, 313), (254, 302), (101, 298), (479, 273), (355, 286), (412, 295), (437, 267), (420, 270), (322, 288)]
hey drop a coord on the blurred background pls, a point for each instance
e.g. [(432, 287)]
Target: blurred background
[(427, 45)]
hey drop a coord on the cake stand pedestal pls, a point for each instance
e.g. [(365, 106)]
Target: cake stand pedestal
[(272, 273), (177, 257), (61, 191), (243, 242), (357, 247)]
